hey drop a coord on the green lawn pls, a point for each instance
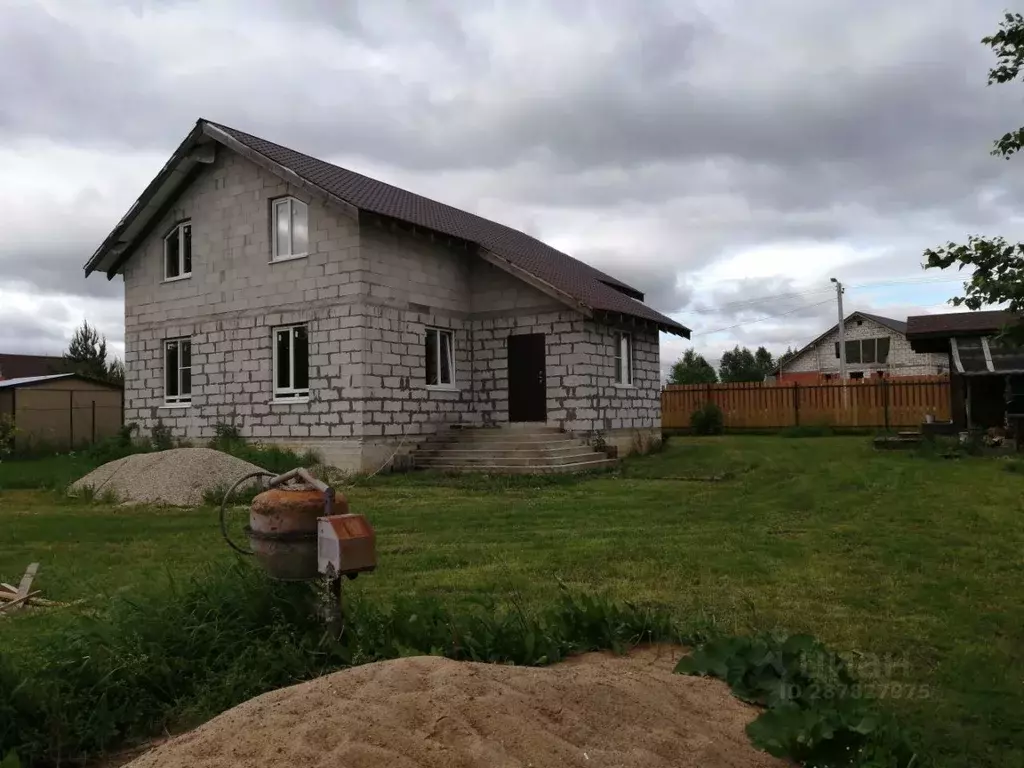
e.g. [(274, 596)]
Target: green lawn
[(875, 553)]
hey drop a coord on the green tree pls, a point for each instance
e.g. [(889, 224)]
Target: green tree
[(87, 352), (998, 265), (785, 357), (115, 371), (692, 368), (740, 364)]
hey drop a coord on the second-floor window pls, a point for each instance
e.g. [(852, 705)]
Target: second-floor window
[(291, 229), (178, 252), (291, 363), (178, 371)]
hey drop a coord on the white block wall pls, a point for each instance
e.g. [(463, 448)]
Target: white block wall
[(902, 360), (367, 293)]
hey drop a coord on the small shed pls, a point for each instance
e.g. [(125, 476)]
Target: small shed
[(987, 373), (61, 411)]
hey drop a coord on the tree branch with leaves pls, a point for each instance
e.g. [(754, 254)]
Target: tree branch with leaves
[(998, 265)]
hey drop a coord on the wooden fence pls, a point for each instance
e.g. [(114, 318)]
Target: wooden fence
[(871, 403)]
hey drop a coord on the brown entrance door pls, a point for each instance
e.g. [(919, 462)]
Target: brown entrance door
[(527, 390)]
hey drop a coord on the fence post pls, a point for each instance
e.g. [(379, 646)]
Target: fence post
[(94, 419), (885, 401), (71, 419), (796, 403)]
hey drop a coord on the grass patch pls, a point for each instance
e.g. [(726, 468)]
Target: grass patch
[(872, 552)]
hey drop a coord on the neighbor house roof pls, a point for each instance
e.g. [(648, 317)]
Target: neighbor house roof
[(29, 380), (19, 366), (591, 289), (894, 325), (958, 323)]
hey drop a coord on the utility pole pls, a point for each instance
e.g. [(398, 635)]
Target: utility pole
[(842, 331)]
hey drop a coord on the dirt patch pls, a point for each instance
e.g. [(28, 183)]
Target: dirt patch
[(177, 477), (596, 711)]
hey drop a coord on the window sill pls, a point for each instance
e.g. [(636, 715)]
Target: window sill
[(442, 388), (176, 279), (175, 405), (293, 257), (289, 401), (619, 385)]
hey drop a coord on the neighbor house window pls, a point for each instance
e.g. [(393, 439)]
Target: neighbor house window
[(291, 228), (866, 351), (177, 371), (291, 363), (440, 361), (623, 358), (178, 252)]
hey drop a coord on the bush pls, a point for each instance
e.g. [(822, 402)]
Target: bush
[(160, 436), (707, 420), (7, 432), (816, 711), (272, 458)]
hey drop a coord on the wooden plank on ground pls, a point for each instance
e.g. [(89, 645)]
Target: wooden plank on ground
[(25, 585)]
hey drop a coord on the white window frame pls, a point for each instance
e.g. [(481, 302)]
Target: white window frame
[(178, 229), (623, 359), (181, 399), (287, 204), (437, 357), (289, 394)]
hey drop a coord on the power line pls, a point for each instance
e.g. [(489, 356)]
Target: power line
[(741, 303), (762, 319)]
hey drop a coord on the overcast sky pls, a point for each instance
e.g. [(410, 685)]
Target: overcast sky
[(715, 153)]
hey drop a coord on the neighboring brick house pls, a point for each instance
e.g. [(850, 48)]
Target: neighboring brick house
[(876, 346), (308, 304)]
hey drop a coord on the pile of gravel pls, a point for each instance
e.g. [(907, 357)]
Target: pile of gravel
[(178, 477)]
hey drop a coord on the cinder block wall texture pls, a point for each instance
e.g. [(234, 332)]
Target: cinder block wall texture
[(367, 294), (902, 361)]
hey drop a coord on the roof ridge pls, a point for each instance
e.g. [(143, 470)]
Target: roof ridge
[(613, 282)]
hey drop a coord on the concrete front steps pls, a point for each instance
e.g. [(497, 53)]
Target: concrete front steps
[(513, 450)]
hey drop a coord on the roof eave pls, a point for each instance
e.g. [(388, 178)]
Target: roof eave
[(627, 319), (108, 256)]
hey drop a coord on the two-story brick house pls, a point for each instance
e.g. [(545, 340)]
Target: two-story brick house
[(310, 305)]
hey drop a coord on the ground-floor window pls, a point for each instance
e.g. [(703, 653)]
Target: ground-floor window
[(623, 358), (177, 371), (440, 359), (291, 363)]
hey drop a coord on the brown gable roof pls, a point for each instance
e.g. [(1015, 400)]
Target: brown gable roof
[(958, 323), (590, 287), (23, 366)]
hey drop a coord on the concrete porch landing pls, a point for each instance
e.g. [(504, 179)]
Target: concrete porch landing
[(514, 449)]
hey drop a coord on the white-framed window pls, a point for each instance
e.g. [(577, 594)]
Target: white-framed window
[(623, 359), (178, 251), (440, 358), (177, 371), (291, 229), (291, 363)]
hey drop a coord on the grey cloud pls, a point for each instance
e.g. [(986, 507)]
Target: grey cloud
[(864, 123)]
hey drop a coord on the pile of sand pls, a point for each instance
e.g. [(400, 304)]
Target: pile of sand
[(596, 711), (178, 477)]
